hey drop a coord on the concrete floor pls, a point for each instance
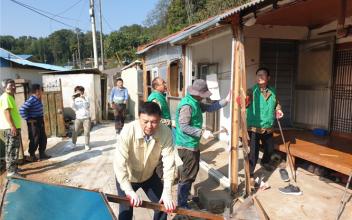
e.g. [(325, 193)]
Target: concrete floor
[(320, 199)]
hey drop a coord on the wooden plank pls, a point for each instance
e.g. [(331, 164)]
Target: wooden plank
[(61, 131), (46, 114), (260, 210), (331, 152), (145, 86), (52, 113), (160, 207), (235, 108)]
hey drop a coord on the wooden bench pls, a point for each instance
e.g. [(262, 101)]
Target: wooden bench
[(332, 152)]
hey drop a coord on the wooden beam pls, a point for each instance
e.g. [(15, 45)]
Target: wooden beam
[(235, 107), (145, 86), (160, 207), (340, 30), (184, 69)]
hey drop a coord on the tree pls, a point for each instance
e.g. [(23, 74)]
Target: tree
[(122, 44)]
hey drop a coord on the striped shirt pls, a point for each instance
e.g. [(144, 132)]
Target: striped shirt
[(32, 108)]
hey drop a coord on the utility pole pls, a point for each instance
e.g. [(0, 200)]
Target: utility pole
[(101, 37), (79, 63), (92, 21)]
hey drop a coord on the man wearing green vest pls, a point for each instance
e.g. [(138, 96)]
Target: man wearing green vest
[(10, 126), (189, 122), (261, 112), (159, 96)]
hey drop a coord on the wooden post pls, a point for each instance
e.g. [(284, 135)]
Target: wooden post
[(145, 86), (340, 30), (235, 107), (184, 69)]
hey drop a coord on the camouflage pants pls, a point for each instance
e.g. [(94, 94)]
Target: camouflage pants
[(10, 148)]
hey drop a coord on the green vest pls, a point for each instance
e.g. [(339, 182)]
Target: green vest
[(261, 112), (183, 139), (165, 111)]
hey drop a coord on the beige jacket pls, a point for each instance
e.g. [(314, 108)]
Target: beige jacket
[(135, 160)]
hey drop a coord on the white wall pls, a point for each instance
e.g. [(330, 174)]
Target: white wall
[(130, 79), (217, 50), (32, 75), (70, 81)]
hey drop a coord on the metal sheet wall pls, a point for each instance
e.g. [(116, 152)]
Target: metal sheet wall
[(313, 84), (280, 57)]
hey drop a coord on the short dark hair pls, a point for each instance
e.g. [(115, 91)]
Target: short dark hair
[(5, 82), (263, 69), (79, 88), (36, 87), (155, 82), (149, 108), (119, 79)]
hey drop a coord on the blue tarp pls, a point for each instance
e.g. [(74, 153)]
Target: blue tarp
[(29, 200)]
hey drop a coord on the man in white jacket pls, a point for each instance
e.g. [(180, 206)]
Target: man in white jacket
[(139, 148), (80, 104)]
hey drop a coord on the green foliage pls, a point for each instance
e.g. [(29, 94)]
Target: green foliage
[(122, 44), (168, 16)]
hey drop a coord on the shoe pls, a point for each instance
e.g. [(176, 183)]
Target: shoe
[(86, 147), (291, 190), (44, 156), (14, 175), (284, 175), (71, 146), (32, 158), (268, 167)]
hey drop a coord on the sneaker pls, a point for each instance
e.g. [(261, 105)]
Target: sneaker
[(86, 147), (13, 175), (44, 156), (284, 175), (71, 146), (291, 190)]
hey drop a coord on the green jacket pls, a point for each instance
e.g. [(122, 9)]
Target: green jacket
[(165, 111), (183, 139), (261, 111)]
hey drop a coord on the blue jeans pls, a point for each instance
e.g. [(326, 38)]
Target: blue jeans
[(153, 187)]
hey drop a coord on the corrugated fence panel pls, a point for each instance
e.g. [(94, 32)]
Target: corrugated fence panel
[(311, 108)]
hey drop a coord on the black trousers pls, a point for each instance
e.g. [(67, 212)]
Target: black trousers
[(120, 115), (268, 145), (37, 136), (153, 187)]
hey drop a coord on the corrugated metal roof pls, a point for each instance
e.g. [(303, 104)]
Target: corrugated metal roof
[(7, 55), (76, 71), (131, 64), (241, 8)]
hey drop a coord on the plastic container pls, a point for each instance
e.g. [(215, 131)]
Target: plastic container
[(320, 132)]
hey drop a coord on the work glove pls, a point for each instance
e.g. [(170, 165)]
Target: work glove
[(247, 101), (135, 200), (169, 204), (207, 134), (279, 114), (228, 97)]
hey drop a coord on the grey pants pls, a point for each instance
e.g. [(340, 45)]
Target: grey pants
[(86, 127)]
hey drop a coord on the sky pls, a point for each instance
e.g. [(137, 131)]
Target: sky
[(18, 21)]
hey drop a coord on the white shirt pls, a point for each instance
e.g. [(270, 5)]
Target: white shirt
[(81, 107)]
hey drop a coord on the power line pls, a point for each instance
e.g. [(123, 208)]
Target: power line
[(69, 8), (38, 12), (106, 22)]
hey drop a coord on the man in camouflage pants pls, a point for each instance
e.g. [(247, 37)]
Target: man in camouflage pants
[(10, 126)]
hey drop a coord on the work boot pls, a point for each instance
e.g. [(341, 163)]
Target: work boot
[(32, 158), (183, 192), (44, 156)]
